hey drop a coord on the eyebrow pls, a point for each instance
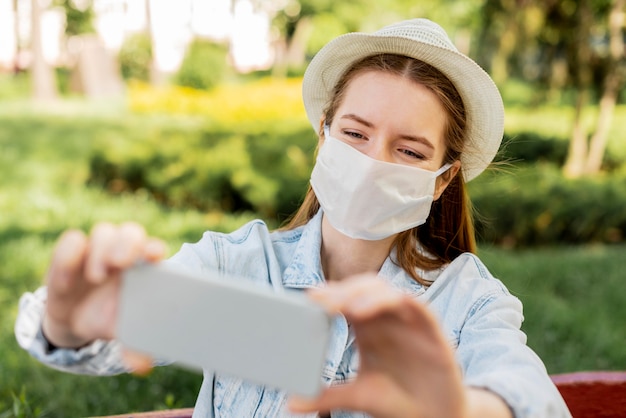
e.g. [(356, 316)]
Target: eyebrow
[(358, 119)]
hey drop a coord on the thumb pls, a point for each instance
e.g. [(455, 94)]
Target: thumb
[(96, 317), (140, 364), (336, 397), (377, 396)]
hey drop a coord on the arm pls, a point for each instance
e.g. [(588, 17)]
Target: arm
[(493, 353), (97, 358), (407, 367)]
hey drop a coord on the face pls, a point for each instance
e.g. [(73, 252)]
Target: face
[(393, 119)]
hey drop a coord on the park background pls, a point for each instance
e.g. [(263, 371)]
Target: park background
[(170, 124)]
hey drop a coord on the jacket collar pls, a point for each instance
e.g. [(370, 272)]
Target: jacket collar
[(305, 269)]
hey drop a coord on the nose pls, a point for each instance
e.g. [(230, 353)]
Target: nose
[(379, 150)]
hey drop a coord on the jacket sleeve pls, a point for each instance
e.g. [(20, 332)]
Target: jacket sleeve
[(98, 358), (493, 352)]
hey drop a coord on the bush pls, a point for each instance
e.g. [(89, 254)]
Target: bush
[(204, 65), (530, 147), (212, 169), (535, 205), (135, 57)]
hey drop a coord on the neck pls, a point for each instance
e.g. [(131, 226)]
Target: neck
[(343, 256)]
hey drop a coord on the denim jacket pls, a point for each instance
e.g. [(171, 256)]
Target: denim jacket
[(480, 318)]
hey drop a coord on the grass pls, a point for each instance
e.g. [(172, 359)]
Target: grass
[(573, 303), (572, 295)]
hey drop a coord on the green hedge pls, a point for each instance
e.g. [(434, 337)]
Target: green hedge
[(261, 169), (535, 205), (531, 147)]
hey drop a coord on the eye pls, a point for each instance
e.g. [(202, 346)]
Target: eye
[(353, 134), (412, 154)]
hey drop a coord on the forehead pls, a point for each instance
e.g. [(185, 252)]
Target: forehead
[(396, 102)]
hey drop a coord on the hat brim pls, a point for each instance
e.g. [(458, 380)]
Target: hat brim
[(483, 104)]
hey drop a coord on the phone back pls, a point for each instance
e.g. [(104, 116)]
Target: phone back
[(225, 325)]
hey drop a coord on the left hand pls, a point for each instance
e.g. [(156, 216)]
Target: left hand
[(407, 367)]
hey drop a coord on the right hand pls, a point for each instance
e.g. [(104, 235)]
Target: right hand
[(84, 279)]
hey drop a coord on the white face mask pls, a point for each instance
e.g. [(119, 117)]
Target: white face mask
[(368, 199)]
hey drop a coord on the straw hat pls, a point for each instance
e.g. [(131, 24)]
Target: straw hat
[(428, 42)]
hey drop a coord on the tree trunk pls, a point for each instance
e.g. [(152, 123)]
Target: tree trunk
[(157, 78), (279, 68), (577, 153), (296, 51), (44, 87), (507, 42), (16, 29), (598, 142), (612, 86)]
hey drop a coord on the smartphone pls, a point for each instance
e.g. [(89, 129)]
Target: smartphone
[(226, 325)]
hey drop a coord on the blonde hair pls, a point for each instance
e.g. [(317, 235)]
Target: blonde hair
[(449, 230)]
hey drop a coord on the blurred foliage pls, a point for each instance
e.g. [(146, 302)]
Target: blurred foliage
[(14, 86), (534, 205), (63, 79), (79, 16), (213, 169), (262, 101), (204, 66), (135, 57)]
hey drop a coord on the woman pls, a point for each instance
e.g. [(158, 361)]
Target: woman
[(383, 237)]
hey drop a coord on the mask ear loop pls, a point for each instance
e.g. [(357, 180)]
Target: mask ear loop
[(326, 130), (443, 169)]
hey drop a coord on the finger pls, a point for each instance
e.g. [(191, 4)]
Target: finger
[(96, 316), (67, 262), (335, 294), (139, 364), (154, 250), (100, 243), (359, 298), (377, 396), (128, 245)]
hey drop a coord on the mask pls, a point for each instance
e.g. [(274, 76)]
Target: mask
[(368, 199)]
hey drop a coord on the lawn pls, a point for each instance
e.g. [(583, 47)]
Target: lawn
[(572, 295)]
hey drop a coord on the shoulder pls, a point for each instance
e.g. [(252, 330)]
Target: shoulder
[(468, 272), (252, 247), (254, 231), (466, 288)]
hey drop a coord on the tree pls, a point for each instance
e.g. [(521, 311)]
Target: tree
[(295, 24), (561, 45), (586, 152), (16, 34), (78, 17), (297, 19), (44, 84)]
